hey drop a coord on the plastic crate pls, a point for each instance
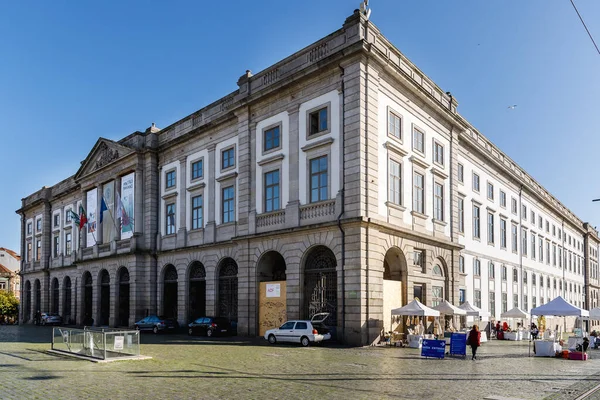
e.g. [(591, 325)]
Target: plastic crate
[(577, 355)]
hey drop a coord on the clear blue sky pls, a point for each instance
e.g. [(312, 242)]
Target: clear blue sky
[(73, 71)]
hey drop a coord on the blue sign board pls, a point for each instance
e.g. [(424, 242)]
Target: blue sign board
[(433, 348), (458, 344)]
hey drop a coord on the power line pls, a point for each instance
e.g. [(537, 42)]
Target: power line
[(585, 26)]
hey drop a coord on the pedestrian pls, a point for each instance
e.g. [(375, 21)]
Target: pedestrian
[(474, 340), (497, 329), (38, 317)]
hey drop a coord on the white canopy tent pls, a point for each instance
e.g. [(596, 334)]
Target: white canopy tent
[(559, 307), (445, 307), (473, 311), (514, 313), (416, 308)]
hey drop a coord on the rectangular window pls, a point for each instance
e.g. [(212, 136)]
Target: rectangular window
[(418, 292), (547, 227), (56, 220), (170, 179), (513, 203), (524, 276), (197, 212), (491, 270), (28, 255), (437, 295), (394, 125), (228, 204), (524, 241), (170, 219), (461, 215), (493, 304), (462, 296), (68, 246), (553, 230), (395, 183), (272, 191), (438, 202), (490, 191), (56, 246), (541, 249), (461, 264), (419, 259), (524, 212), (228, 158), (38, 225), (68, 217), (502, 233), (515, 300), (515, 240), (525, 302), (540, 221), (38, 250), (504, 273), (475, 182), (476, 222), (476, 267), (318, 179), (477, 299), (418, 193), (532, 246), (318, 121), (548, 253), (490, 228), (271, 138), (197, 169), (533, 279), (29, 228), (532, 217), (461, 173), (504, 302), (502, 199), (553, 254), (418, 140), (438, 153)]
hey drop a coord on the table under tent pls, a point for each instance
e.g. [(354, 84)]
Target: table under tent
[(449, 310), (473, 311), (559, 307), (416, 309), (515, 334)]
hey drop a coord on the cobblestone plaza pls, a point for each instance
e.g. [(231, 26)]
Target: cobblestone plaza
[(184, 368)]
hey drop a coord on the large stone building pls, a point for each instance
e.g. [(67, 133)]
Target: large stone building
[(342, 171)]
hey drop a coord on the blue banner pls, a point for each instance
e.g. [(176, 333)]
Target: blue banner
[(458, 344), (433, 348)]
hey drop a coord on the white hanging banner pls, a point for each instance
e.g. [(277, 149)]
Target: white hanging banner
[(108, 225), (128, 199), (92, 206)]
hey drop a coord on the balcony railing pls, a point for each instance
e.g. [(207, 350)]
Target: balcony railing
[(317, 210), (270, 219)]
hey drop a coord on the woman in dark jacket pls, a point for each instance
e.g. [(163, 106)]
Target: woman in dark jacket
[(474, 340)]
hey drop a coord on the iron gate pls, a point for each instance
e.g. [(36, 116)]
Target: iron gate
[(228, 290), (320, 284)]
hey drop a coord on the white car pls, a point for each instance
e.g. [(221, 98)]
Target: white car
[(300, 331)]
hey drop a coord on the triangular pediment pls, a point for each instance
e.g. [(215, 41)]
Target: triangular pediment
[(104, 152)]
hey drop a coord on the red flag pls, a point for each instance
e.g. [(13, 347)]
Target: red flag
[(82, 217)]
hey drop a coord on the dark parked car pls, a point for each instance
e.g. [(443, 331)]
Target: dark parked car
[(211, 326), (156, 324)]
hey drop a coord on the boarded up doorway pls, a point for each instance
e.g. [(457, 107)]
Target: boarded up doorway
[(271, 305)]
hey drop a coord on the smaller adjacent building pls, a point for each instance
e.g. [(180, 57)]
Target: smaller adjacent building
[(10, 264)]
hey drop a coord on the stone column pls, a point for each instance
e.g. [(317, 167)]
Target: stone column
[(210, 228), (182, 202), (292, 208)]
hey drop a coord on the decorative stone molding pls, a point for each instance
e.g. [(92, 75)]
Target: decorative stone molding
[(107, 155)]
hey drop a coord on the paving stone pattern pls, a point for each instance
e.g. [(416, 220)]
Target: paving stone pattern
[(196, 368)]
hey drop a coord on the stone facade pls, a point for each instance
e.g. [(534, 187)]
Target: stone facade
[(334, 170)]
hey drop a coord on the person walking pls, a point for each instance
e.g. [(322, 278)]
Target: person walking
[(474, 340)]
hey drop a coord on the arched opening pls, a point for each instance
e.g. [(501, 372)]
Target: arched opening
[(394, 287), (37, 287), (104, 298), (27, 309), (123, 297), (67, 300), (170, 292), (228, 289), (320, 284), (272, 301), (88, 291), (196, 291), (55, 295)]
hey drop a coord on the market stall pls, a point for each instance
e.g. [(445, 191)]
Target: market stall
[(448, 309), (515, 313), (416, 309), (473, 311), (595, 315), (558, 307)]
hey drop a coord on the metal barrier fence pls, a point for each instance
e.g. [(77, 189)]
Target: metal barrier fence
[(99, 343)]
